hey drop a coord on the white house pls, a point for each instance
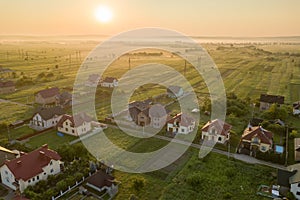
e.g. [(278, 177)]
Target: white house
[(174, 91), (109, 82), (75, 125), (216, 130), (181, 124), (158, 116), (296, 108), (46, 118), (30, 168)]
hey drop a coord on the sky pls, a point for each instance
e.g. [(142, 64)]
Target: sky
[(236, 18)]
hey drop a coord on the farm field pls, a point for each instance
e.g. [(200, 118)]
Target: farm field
[(247, 70)]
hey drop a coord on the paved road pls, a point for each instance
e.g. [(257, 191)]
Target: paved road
[(241, 157), (8, 101)]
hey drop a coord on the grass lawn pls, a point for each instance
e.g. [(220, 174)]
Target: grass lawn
[(51, 138), (20, 131), (3, 191)]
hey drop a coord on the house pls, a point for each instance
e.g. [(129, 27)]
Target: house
[(30, 168), (6, 154), (297, 149), (216, 130), (64, 100), (283, 181), (109, 82), (7, 87), (101, 181), (256, 139), (139, 112), (76, 125), (93, 80), (174, 91), (158, 116), (296, 108), (181, 124), (294, 180), (267, 100), (47, 96), (46, 117)]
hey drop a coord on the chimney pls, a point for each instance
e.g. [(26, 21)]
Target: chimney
[(45, 146), (19, 162), (249, 128)]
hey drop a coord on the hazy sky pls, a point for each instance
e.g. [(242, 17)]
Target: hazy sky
[(192, 17)]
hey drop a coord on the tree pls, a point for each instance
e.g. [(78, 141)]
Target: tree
[(275, 112), (138, 183), (293, 134), (61, 185)]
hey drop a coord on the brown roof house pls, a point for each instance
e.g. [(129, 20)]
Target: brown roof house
[(139, 112), (181, 124), (76, 125), (296, 108), (47, 96), (101, 181), (158, 116), (6, 154), (30, 168), (109, 82), (64, 100), (174, 91), (7, 87), (267, 100), (256, 139), (93, 80), (46, 117), (216, 130)]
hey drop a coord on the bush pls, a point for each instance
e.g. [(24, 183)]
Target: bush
[(138, 183)]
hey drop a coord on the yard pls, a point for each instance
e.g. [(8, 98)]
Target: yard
[(51, 138)]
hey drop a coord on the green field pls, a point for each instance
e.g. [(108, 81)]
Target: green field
[(247, 70)]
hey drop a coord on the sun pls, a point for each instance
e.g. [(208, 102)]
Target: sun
[(103, 14)]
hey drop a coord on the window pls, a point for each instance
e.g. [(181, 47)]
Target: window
[(66, 123), (73, 131), (7, 180), (52, 122), (263, 148), (298, 193), (44, 173), (219, 139), (67, 129), (182, 130), (298, 184), (6, 172), (29, 181), (51, 162), (51, 171), (37, 178), (33, 179)]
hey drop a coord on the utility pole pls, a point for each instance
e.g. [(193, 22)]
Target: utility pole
[(286, 145)]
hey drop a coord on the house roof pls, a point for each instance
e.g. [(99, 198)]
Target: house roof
[(31, 164), (48, 113), (158, 111), (283, 177), (110, 79), (174, 89), (296, 169), (271, 99), (296, 105), (183, 119), (221, 127), (76, 120), (265, 136), (93, 78), (6, 84), (49, 92), (100, 179)]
